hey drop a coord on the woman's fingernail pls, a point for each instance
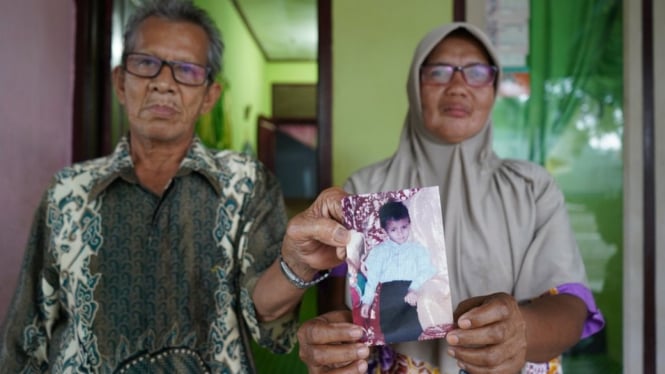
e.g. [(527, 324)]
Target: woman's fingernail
[(362, 367), (363, 351), (451, 353), (465, 323), (452, 339), (357, 333)]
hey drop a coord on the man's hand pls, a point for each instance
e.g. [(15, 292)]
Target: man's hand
[(491, 335), (315, 239), (330, 343)]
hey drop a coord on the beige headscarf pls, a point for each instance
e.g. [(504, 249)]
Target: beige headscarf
[(505, 221)]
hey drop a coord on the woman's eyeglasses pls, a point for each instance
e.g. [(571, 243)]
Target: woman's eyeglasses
[(148, 66), (475, 75)]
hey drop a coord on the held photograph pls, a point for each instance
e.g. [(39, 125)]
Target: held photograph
[(397, 271)]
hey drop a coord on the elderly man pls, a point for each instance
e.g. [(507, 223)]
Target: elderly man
[(164, 256)]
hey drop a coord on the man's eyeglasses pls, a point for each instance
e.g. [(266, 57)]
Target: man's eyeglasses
[(475, 75), (148, 66)]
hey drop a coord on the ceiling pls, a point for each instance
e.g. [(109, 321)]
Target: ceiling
[(285, 30)]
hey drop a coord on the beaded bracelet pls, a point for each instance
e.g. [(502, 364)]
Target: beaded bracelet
[(296, 280)]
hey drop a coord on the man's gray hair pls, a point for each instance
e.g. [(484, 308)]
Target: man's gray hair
[(178, 11)]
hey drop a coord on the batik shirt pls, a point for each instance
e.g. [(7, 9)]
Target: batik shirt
[(118, 279)]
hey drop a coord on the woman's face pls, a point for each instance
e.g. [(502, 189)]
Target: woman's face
[(456, 111)]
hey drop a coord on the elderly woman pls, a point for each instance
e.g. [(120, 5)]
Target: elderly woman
[(516, 275)]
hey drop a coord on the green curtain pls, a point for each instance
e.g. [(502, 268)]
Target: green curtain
[(576, 58), (571, 122)]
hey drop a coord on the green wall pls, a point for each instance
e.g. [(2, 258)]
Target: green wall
[(373, 42), (246, 74)]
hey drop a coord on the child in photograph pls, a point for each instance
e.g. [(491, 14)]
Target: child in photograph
[(401, 267)]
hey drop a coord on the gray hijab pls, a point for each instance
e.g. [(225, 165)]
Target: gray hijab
[(505, 221)]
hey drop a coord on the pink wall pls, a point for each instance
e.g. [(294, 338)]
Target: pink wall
[(36, 91)]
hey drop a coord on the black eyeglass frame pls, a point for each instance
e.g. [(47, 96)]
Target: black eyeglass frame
[(494, 70), (208, 78)]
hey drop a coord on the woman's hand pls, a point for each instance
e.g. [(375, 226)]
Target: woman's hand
[(491, 335), (330, 343)]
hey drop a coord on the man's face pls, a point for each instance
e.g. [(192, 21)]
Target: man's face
[(398, 229), (456, 111), (159, 109)]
